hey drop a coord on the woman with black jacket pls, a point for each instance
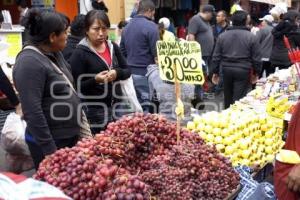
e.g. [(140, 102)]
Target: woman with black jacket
[(50, 107), (289, 28), (97, 64)]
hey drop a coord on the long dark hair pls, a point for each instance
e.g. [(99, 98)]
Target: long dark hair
[(41, 24)]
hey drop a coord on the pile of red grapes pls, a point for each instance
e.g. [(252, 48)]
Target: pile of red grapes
[(138, 158)]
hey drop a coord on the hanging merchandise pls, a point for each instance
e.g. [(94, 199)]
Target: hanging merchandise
[(44, 4), (186, 5)]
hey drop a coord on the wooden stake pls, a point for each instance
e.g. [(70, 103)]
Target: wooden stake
[(178, 95)]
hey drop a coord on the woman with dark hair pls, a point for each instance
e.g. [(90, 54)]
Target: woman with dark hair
[(287, 27), (97, 64), (77, 33), (43, 80)]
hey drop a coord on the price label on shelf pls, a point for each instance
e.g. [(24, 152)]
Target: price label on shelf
[(185, 56)]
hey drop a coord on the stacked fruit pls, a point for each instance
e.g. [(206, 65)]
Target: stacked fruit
[(243, 136), (277, 106), (137, 158)]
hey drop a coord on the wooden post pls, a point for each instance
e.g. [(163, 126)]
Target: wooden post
[(178, 95)]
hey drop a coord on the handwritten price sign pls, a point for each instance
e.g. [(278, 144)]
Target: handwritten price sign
[(186, 56)]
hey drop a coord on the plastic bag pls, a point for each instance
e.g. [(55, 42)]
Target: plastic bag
[(13, 135), (19, 187), (129, 93)]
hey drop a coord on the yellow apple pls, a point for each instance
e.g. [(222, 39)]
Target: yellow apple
[(269, 150), (268, 134), (262, 120), (203, 135), (225, 132), (246, 153), (235, 145), (220, 148), (246, 132), (197, 120), (229, 150), (243, 144), (190, 126), (208, 129), (200, 127), (218, 140), (223, 123), (227, 141), (268, 141), (210, 137), (217, 131)]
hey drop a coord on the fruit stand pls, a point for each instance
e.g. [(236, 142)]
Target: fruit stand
[(138, 157)]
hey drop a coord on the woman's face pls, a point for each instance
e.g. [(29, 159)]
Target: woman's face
[(58, 42), (97, 32)]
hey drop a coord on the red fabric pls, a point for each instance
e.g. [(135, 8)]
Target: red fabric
[(106, 55), (281, 169), (14, 177)]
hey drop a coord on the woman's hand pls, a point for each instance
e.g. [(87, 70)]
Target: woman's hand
[(112, 75), (293, 179), (19, 110), (102, 77)]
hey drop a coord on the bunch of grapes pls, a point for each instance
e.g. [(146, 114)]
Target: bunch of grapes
[(83, 175), (193, 171), (138, 157)]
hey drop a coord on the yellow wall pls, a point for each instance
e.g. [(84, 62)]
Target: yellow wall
[(129, 4), (115, 10)]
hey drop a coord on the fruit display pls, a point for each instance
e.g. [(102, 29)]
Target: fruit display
[(138, 157), (241, 135), (277, 106)]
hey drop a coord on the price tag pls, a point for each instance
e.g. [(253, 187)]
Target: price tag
[(15, 44), (187, 58)]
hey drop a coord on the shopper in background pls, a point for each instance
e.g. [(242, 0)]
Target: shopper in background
[(278, 11), (22, 8), (8, 90), (265, 38), (287, 27), (235, 7), (237, 59), (50, 107), (200, 30), (121, 27), (77, 33), (99, 5), (164, 93), (222, 24), (97, 64), (164, 34), (135, 9), (138, 45)]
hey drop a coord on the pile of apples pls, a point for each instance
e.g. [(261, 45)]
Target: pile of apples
[(241, 135), (277, 106)]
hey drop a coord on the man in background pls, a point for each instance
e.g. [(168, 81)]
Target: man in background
[(222, 23), (138, 45), (265, 38), (200, 30)]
